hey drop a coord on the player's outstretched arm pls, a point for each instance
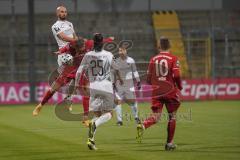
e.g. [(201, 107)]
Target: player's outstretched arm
[(57, 52), (178, 80)]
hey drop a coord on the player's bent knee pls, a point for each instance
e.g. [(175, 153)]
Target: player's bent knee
[(156, 109), (98, 113)]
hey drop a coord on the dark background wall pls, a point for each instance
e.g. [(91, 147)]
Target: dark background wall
[(48, 6)]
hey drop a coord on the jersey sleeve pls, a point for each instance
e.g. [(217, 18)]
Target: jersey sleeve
[(114, 70), (56, 29), (135, 72), (176, 73), (72, 27), (176, 64), (149, 71), (114, 64)]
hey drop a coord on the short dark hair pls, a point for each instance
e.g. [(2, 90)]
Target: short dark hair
[(164, 43), (98, 42)]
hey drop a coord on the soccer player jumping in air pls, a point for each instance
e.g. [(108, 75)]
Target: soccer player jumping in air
[(163, 67), (63, 30), (71, 61), (68, 69)]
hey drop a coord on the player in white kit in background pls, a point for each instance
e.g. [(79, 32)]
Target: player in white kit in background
[(63, 30), (125, 92), (99, 64)]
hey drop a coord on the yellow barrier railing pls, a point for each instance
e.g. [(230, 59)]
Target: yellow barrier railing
[(199, 57), (167, 24)]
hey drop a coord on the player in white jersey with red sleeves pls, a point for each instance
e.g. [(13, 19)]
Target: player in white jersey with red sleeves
[(125, 91), (63, 30), (99, 64)]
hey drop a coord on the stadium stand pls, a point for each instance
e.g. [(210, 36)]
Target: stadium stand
[(196, 27), (129, 26), (166, 23), (192, 29)]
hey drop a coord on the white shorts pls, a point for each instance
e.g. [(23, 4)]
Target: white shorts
[(125, 92), (101, 96)]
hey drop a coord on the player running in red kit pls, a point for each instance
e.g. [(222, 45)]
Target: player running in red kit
[(163, 67)]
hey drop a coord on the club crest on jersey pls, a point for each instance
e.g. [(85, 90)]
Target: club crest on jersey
[(57, 29)]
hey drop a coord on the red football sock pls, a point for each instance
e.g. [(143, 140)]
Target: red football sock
[(171, 130), (150, 121), (85, 102), (47, 96)]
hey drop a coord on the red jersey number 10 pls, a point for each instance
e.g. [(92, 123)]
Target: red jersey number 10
[(161, 67)]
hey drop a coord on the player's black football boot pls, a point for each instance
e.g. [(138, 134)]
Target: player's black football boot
[(140, 131), (119, 123), (137, 120), (91, 144)]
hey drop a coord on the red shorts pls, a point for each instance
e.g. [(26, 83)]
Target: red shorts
[(171, 102), (63, 80), (67, 74)]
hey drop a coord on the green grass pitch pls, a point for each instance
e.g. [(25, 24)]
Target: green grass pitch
[(205, 130)]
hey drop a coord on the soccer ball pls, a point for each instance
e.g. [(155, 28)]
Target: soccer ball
[(67, 59)]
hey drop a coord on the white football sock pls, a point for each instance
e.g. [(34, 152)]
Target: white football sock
[(103, 119), (94, 119), (134, 109), (118, 110)]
